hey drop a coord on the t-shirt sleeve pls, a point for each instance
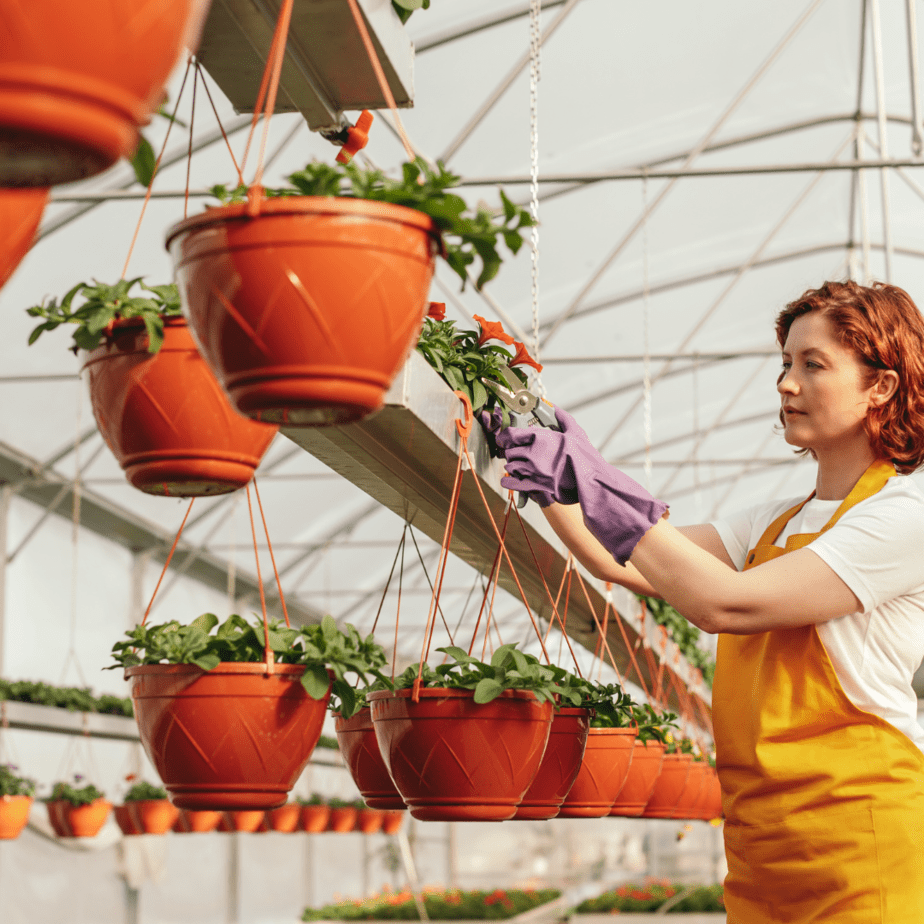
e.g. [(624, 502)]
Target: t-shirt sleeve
[(877, 548), (735, 532)]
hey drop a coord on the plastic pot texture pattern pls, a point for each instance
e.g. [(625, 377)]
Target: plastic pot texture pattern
[(70, 820), (307, 311), (66, 113), (14, 813), (196, 822), (315, 818), (455, 760), (230, 738), (607, 759), (669, 786), (165, 417), (644, 770), (690, 804), (360, 749), (20, 214), (560, 765)]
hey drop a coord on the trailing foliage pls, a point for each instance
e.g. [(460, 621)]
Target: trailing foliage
[(440, 904), (652, 725), (102, 306), (319, 648), (143, 790), (652, 895), (468, 236), (405, 8), (361, 698), (74, 793), (12, 784), (612, 706), (76, 699), (684, 634)]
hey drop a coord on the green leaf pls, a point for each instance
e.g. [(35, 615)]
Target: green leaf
[(143, 161), (316, 681), (206, 622), (487, 690), (207, 662)]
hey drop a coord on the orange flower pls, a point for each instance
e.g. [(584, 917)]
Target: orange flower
[(492, 330), (437, 311), (523, 358)]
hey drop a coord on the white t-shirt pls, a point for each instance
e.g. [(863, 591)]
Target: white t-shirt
[(877, 550)]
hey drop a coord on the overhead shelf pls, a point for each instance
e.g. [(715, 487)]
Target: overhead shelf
[(326, 69), (405, 457)]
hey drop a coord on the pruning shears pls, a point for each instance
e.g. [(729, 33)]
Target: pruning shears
[(526, 410)]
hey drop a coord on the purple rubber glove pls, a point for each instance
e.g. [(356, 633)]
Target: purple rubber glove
[(563, 467), (492, 423)]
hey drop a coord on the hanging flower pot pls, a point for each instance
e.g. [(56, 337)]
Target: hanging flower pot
[(360, 749), (14, 813), (689, 805), (244, 820), (606, 763), (647, 757), (285, 818), (128, 824), (392, 820), (307, 311), (69, 820), (154, 816), (315, 818), (343, 816), (166, 419), (78, 79), (712, 802), (669, 786), (369, 820), (560, 765), (453, 759), (190, 822), (20, 214)]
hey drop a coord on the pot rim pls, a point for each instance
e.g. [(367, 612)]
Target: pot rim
[(613, 731), (302, 205), (449, 693), (225, 667)]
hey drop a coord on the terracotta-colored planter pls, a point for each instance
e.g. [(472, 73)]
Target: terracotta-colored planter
[(360, 749), (154, 816), (127, 822), (285, 818), (78, 820), (669, 787), (190, 822), (315, 818), (307, 311), (690, 805), (712, 802), (644, 770), (343, 820), (14, 813), (66, 114), (369, 820), (241, 820), (229, 738), (165, 417), (455, 760), (607, 758), (560, 765), (392, 820), (20, 214)]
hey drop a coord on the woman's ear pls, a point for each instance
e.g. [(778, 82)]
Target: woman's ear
[(884, 388)]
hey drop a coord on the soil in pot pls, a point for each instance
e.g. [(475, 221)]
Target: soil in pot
[(360, 749), (307, 311), (669, 786), (165, 417), (607, 759), (647, 758), (229, 738), (14, 813), (560, 765), (453, 759)]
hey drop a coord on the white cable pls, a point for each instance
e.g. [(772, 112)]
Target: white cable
[(535, 38), (646, 347)]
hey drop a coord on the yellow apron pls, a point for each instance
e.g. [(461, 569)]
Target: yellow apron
[(824, 803)]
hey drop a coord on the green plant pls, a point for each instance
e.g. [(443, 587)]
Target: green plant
[(469, 362), (509, 669), (684, 635), (323, 649), (652, 725), (405, 8), (467, 236), (612, 706), (102, 306), (76, 795), (361, 697), (11, 784), (653, 895), (329, 741), (336, 803), (144, 790), (73, 698), (314, 799)]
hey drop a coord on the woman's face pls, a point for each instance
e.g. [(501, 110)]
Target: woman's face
[(824, 398)]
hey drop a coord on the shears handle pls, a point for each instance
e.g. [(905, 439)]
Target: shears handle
[(542, 415)]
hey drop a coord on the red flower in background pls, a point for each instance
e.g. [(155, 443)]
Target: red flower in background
[(492, 330), (437, 311), (523, 358)]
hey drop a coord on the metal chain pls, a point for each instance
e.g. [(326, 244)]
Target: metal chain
[(535, 37)]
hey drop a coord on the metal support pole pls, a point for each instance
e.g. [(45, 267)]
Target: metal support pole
[(6, 494), (883, 135), (234, 878), (452, 854), (410, 870), (917, 141)]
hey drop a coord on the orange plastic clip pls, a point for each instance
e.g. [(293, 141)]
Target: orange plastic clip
[(357, 137)]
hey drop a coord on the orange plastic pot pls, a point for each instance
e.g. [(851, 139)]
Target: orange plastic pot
[(154, 816), (315, 818), (14, 813), (77, 79), (669, 787), (285, 818), (20, 214), (307, 311), (360, 749), (604, 768), (560, 765), (690, 804), (196, 822), (392, 821), (165, 417), (453, 759), (712, 804), (644, 770), (244, 820), (230, 738), (342, 820), (369, 820), (127, 822), (78, 820)]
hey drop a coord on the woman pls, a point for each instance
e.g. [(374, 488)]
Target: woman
[(820, 606)]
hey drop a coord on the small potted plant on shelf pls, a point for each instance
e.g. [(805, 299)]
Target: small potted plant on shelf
[(306, 300), (489, 711), (156, 403), (229, 714), (145, 809), (344, 814), (17, 794), (284, 819), (75, 810), (652, 731), (315, 813), (672, 790), (201, 822)]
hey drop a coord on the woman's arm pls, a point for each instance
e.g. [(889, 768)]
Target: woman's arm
[(792, 590)]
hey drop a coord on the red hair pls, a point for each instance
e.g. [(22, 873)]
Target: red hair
[(884, 328)]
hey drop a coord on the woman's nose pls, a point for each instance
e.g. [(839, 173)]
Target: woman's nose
[(785, 383)]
